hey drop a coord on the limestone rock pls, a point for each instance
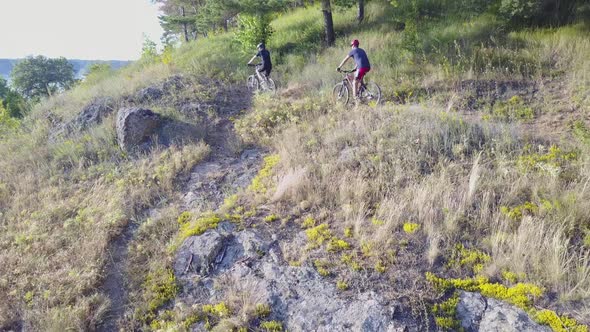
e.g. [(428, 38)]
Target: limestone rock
[(481, 314), (151, 93), (95, 112), (92, 114), (198, 253), (139, 128), (501, 316), (251, 264), (135, 126), (470, 310)]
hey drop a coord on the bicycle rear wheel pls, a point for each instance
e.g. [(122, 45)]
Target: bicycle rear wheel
[(252, 83), (371, 93), (341, 93)]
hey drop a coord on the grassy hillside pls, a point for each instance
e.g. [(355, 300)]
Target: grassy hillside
[(475, 166)]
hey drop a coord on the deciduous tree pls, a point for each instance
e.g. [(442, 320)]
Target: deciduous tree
[(40, 76)]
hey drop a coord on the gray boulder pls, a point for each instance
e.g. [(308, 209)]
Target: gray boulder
[(135, 126), (197, 254), (481, 314), (138, 129)]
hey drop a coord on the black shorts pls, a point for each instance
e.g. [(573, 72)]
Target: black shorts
[(265, 71)]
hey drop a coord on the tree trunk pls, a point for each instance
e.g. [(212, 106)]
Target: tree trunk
[(361, 13), (184, 26), (328, 22)]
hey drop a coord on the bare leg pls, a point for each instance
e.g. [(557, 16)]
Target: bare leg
[(359, 86), (355, 85)]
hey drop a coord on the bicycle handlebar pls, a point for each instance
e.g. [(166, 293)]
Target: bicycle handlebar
[(347, 71), (253, 64)]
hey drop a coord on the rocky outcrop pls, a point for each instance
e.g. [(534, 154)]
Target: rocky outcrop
[(158, 91), (138, 129), (92, 114), (149, 94), (198, 254), (480, 314), (225, 261)]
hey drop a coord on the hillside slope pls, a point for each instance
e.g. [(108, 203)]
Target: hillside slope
[(471, 177)]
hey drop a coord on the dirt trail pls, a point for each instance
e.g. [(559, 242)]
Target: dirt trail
[(114, 285), (228, 168)]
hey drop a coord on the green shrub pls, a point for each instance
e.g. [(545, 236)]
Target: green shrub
[(513, 110), (308, 222), (445, 314), (470, 258), (410, 227), (259, 183), (262, 310), (159, 288), (558, 323), (319, 234), (516, 213), (552, 161), (252, 30), (336, 245), (272, 326), (341, 285)]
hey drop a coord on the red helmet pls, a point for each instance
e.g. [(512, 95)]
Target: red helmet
[(355, 42)]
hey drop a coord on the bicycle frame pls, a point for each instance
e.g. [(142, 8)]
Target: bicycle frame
[(263, 82), (346, 78), (258, 74), (369, 93)]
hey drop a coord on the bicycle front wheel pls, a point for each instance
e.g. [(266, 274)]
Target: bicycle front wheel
[(340, 94), (252, 83), (272, 87), (371, 94)]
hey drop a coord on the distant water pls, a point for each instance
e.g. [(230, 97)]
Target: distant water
[(80, 66)]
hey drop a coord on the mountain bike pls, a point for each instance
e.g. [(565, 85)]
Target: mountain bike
[(369, 93), (259, 82)]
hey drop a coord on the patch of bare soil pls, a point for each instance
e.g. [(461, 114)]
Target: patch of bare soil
[(228, 167)]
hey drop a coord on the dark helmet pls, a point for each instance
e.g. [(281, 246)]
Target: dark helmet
[(261, 45), (355, 42)]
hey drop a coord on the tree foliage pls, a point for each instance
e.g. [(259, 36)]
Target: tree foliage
[(188, 19), (519, 12), (13, 103), (39, 76), (253, 30), (540, 12), (7, 122)]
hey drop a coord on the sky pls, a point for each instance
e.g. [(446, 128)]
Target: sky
[(77, 29)]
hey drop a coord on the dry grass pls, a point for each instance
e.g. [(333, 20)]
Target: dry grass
[(63, 203), (366, 173), (451, 178)]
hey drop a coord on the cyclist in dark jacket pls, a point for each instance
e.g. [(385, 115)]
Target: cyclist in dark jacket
[(265, 64), (362, 65)]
